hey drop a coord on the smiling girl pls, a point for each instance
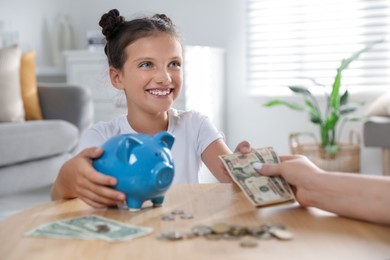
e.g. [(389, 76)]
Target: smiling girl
[(145, 58)]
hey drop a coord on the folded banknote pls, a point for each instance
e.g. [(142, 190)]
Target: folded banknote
[(260, 190)]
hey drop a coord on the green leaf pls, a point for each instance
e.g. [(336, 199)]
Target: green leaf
[(335, 95), (344, 98), (291, 105), (324, 136), (315, 115), (355, 118), (316, 82), (300, 90), (356, 55), (331, 122), (349, 108)]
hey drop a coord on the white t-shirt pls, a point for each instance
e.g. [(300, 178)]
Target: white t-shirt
[(193, 133)]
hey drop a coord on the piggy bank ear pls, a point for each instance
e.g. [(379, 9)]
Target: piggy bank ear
[(165, 138), (125, 147)]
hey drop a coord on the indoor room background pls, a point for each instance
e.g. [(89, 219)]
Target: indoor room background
[(214, 23)]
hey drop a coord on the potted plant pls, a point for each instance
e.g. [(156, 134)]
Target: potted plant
[(337, 108)]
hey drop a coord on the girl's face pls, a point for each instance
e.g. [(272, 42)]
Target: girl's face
[(152, 74)]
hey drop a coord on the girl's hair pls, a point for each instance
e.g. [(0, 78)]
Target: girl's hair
[(120, 33)]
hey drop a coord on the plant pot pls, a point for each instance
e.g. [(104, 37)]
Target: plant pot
[(347, 159)]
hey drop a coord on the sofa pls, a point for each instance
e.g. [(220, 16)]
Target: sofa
[(32, 152), (376, 133), (376, 130)]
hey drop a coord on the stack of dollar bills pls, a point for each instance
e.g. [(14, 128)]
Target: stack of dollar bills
[(260, 190)]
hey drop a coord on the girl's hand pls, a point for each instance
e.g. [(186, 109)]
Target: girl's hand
[(243, 148), (78, 178)]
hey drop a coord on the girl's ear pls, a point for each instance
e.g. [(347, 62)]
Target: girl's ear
[(116, 79)]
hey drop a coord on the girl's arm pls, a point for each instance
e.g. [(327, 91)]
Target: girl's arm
[(212, 161), (78, 178), (210, 157)]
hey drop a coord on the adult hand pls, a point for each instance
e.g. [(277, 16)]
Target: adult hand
[(296, 170), (78, 178)]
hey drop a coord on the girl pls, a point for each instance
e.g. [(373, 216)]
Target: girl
[(145, 59)]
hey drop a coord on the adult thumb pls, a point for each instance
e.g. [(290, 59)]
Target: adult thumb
[(267, 169)]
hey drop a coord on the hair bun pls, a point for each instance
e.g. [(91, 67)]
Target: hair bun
[(163, 18), (110, 23)]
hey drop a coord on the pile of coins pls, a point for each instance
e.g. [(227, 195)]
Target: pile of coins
[(245, 234), (225, 231)]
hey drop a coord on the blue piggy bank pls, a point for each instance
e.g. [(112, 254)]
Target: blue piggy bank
[(142, 164)]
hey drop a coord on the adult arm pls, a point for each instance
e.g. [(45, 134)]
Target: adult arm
[(361, 197)]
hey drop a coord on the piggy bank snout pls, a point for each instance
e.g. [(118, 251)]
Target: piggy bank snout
[(163, 175)]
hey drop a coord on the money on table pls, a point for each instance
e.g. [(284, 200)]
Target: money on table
[(90, 227), (260, 190)]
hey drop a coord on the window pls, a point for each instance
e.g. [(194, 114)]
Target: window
[(289, 42)]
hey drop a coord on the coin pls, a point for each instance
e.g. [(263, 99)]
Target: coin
[(187, 216), (201, 230), (175, 235), (220, 228), (281, 233), (257, 230), (237, 231), (248, 243), (177, 212), (264, 236), (167, 218)]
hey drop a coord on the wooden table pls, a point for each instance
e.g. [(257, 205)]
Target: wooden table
[(317, 234)]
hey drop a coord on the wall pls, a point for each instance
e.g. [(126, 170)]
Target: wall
[(216, 23)]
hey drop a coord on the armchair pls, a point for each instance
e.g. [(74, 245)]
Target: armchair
[(32, 152)]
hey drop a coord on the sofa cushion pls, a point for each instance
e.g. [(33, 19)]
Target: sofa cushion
[(31, 140), (11, 104), (376, 132), (380, 106), (29, 87)]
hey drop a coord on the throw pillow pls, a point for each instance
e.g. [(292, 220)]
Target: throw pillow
[(11, 104), (28, 81), (380, 106)]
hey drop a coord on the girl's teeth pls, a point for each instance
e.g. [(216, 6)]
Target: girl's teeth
[(158, 92)]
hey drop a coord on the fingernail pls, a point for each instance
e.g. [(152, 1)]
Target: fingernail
[(112, 182), (257, 165), (121, 197), (244, 149)]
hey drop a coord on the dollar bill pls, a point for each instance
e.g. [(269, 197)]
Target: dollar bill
[(260, 190), (90, 227)]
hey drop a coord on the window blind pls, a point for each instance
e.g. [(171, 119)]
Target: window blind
[(290, 42)]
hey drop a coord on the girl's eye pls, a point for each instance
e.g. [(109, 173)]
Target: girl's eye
[(175, 64), (145, 65)]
